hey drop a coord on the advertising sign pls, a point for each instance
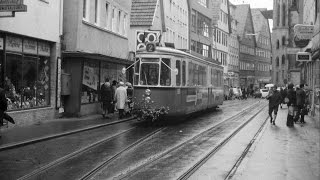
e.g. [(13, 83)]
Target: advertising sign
[(12, 5), (89, 79), (303, 34), (303, 56)]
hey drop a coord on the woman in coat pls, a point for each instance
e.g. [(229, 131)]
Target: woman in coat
[(121, 98), (291, 95)]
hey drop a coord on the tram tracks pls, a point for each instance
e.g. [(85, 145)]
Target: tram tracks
[(129, 173), (43, 171)]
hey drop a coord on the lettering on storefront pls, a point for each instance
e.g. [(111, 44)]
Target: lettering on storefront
[(13, 44), (30, 46), (43, 49), (12, 5)]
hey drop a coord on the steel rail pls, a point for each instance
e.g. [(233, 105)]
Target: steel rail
[(187, 174), (80, 151), (155, 158)]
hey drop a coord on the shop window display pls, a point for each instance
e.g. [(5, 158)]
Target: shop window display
[(27, 81), (90, 82)]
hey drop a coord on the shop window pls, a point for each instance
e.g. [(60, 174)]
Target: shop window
[(90, 82), (27, 81), (165, 75), (178, 76)]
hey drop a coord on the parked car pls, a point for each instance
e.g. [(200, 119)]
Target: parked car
[(264, 93), (257, 93)]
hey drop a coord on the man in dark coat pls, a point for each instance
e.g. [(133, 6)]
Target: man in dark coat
[(106, 98), (274, 98), (3, 108), (301, 98), (291, 95)]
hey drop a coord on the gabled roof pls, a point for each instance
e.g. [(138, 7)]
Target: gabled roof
[(241, 14), (142, 12)]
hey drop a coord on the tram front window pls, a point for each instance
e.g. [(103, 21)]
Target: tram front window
[(165, 76), (149, 74)]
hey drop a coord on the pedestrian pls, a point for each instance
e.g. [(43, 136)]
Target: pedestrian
[(114, 86), (3, 109), (291, 102), (301, 99), (106, 97), (130, 96), (274, 98), (120, 98), (283, 95)]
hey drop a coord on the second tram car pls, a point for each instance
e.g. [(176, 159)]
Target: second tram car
[(178, 80)]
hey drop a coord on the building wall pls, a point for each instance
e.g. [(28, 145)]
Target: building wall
[(38, 16), (44, 24), (177, 24), (101, 36)]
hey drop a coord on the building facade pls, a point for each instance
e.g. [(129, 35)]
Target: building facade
[(221, 34), (200, 28), (29, 51), (233, 51), (247, 45), (263, 48), (95, 48), (285, 69), (310, 71)]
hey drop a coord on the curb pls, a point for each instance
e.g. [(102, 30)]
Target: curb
[(52, 136)]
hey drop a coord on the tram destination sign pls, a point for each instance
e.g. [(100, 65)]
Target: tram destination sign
[(303, 56), (12, 6)]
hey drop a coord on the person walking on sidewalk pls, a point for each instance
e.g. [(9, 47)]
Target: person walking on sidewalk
[(3, 108), (106, 98), (291, 102), (301, 99), (120, 98), (274, 98)]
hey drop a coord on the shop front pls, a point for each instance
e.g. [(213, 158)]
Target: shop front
[(25, 76), (88, 72)]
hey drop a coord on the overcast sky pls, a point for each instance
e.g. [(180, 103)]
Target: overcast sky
[(255, 3)]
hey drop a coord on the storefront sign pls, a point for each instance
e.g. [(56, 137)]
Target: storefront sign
[(303, 56), (303, 34), (302, 31), (30, 46), (12, 5), (43, 48), (1, 43), (13, 44)]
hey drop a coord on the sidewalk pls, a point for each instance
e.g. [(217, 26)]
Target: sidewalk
[(18, 136), (282, 153)]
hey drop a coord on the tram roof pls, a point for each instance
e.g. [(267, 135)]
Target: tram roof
[(167, 50)]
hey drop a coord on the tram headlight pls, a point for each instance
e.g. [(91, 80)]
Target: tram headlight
[(147, 92)]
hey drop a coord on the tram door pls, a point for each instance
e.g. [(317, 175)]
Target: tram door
[(178, 82)]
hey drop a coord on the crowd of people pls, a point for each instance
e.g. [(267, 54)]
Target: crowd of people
[(296, 98), (116, 97)]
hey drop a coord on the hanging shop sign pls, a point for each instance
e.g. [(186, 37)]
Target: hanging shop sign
[(303, 56), (12, 6), (30, 46), (43, 48), (13, 44), (303, 34)]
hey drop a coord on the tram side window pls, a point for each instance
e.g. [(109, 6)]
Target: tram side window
[(165, 75), (149, 74), (183, 73), (195, 75), (136, 72), (215, 72), (212, 77), (178, 76), (190, 79)]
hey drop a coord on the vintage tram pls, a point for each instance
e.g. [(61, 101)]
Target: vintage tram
[(178, 80)]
